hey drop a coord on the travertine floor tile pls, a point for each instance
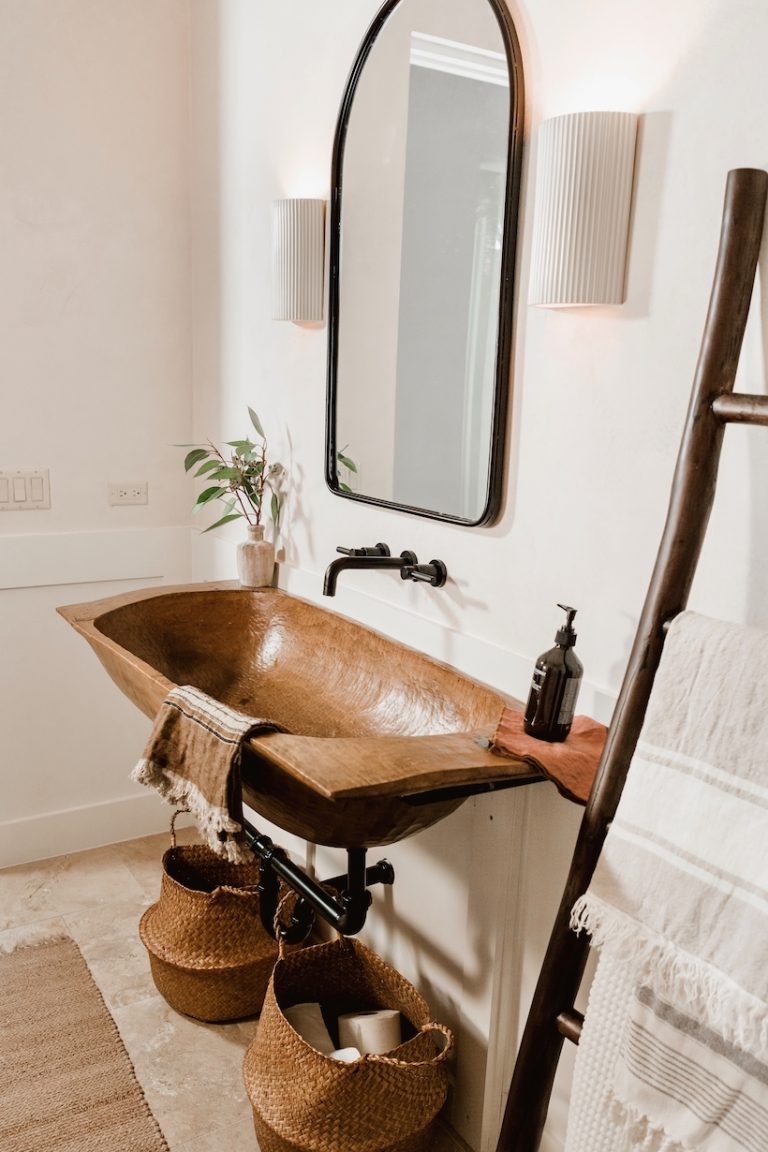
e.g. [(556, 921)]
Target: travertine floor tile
[(221, 1140), (191, 1072), (63, 884), (108, 937)]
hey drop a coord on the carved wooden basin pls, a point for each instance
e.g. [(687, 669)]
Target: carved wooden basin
[(380, 740)]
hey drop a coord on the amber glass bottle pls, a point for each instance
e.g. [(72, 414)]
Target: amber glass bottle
[(555, 686)]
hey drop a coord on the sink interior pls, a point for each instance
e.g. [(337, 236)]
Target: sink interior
[(310, 671)]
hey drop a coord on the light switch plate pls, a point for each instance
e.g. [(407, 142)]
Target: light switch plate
[(25, 491)]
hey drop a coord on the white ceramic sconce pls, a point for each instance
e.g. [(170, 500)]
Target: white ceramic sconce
[(583, 196), (298, 259)]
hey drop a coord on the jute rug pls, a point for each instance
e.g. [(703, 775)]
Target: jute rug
[(66, 1081)]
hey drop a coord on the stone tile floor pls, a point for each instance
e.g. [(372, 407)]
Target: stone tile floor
[(191, 1072)]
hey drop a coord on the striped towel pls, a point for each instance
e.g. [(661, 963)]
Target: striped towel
[(193, 759), (679, 898)]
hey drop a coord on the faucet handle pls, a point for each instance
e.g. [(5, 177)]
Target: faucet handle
[(434, 573), (376, 550)]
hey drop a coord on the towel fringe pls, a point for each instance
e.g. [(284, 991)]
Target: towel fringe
[(211, 821), (677, 976), (637, 1132)]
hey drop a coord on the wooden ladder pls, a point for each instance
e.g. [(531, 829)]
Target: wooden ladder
[(713, 404)]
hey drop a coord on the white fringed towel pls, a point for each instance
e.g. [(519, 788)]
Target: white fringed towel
[(680, 899)]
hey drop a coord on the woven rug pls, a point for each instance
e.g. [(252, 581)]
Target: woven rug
[(66, 1081)]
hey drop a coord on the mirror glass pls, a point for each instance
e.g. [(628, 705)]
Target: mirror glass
[(425, 182)]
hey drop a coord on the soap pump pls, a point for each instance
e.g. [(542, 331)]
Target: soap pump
[(555, 686)]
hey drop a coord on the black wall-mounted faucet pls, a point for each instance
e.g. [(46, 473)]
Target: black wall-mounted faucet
[(378, 556)]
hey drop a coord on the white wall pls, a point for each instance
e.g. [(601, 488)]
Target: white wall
[(598, 402), (95, 383)]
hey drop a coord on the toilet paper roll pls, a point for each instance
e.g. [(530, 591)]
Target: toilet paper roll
[(308, 1021), (346, 1055), (376, 1031)]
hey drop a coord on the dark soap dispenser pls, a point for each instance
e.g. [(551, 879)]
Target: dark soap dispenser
[(555, 686)]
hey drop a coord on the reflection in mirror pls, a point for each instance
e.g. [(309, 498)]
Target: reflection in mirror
[(426, 173)]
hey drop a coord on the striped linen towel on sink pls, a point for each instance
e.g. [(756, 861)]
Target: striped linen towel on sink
[(678, 905), (193, 759)]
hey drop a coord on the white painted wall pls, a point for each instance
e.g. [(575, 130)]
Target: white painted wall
[(598, 402), (95, 384)]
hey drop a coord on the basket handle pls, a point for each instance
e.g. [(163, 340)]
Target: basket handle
[(282, 947), (441, 1056), (178, 812)]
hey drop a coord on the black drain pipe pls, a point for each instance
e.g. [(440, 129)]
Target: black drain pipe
[(346, 912)]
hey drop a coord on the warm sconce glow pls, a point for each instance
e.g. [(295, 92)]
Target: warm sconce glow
[(585, 163), (298, 259)]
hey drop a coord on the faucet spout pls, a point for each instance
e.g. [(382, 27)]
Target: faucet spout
[(405, 559)]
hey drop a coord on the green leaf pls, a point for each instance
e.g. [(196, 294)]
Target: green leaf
[(241, 445), (208, 467), (224, 472), (345, 460), (208, 495), (256, 423), (275, 509), (344, 487), (224, 520), (194, 457)]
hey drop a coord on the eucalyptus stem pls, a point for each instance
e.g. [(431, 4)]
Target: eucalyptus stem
[(235, 491)]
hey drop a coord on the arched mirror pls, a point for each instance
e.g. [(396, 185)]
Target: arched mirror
[(425, 180)]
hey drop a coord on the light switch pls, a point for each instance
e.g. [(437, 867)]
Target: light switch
[(24, 490)]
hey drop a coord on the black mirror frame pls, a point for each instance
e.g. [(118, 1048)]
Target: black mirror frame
[(493, 503)]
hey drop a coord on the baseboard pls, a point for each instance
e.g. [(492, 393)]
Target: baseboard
[(76, 829)]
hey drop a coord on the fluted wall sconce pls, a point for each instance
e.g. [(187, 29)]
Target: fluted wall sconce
[(585, 164), (298, 259)]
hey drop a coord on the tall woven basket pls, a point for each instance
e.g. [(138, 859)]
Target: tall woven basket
[(210, 956), (305, 1102)]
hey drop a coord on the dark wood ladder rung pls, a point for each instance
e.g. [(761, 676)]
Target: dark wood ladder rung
[(741, 408), (569, 1024)]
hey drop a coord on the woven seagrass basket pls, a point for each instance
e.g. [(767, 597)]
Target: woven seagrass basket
[(305, 1102), (210, 956)]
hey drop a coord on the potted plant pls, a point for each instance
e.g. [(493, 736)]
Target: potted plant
[(242, 479)]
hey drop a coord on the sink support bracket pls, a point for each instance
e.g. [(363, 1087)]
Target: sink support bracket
[(343, 901)]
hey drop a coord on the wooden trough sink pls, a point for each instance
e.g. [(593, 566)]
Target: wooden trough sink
[(381, 741)]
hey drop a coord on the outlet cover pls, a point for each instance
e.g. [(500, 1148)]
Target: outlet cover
[(135, 492)]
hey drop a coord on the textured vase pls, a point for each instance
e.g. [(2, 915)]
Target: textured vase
[(255, 559)]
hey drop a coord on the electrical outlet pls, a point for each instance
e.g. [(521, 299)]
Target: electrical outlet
[(133, 493)]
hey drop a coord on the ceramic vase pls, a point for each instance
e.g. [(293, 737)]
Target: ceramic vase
[(255, 559)]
